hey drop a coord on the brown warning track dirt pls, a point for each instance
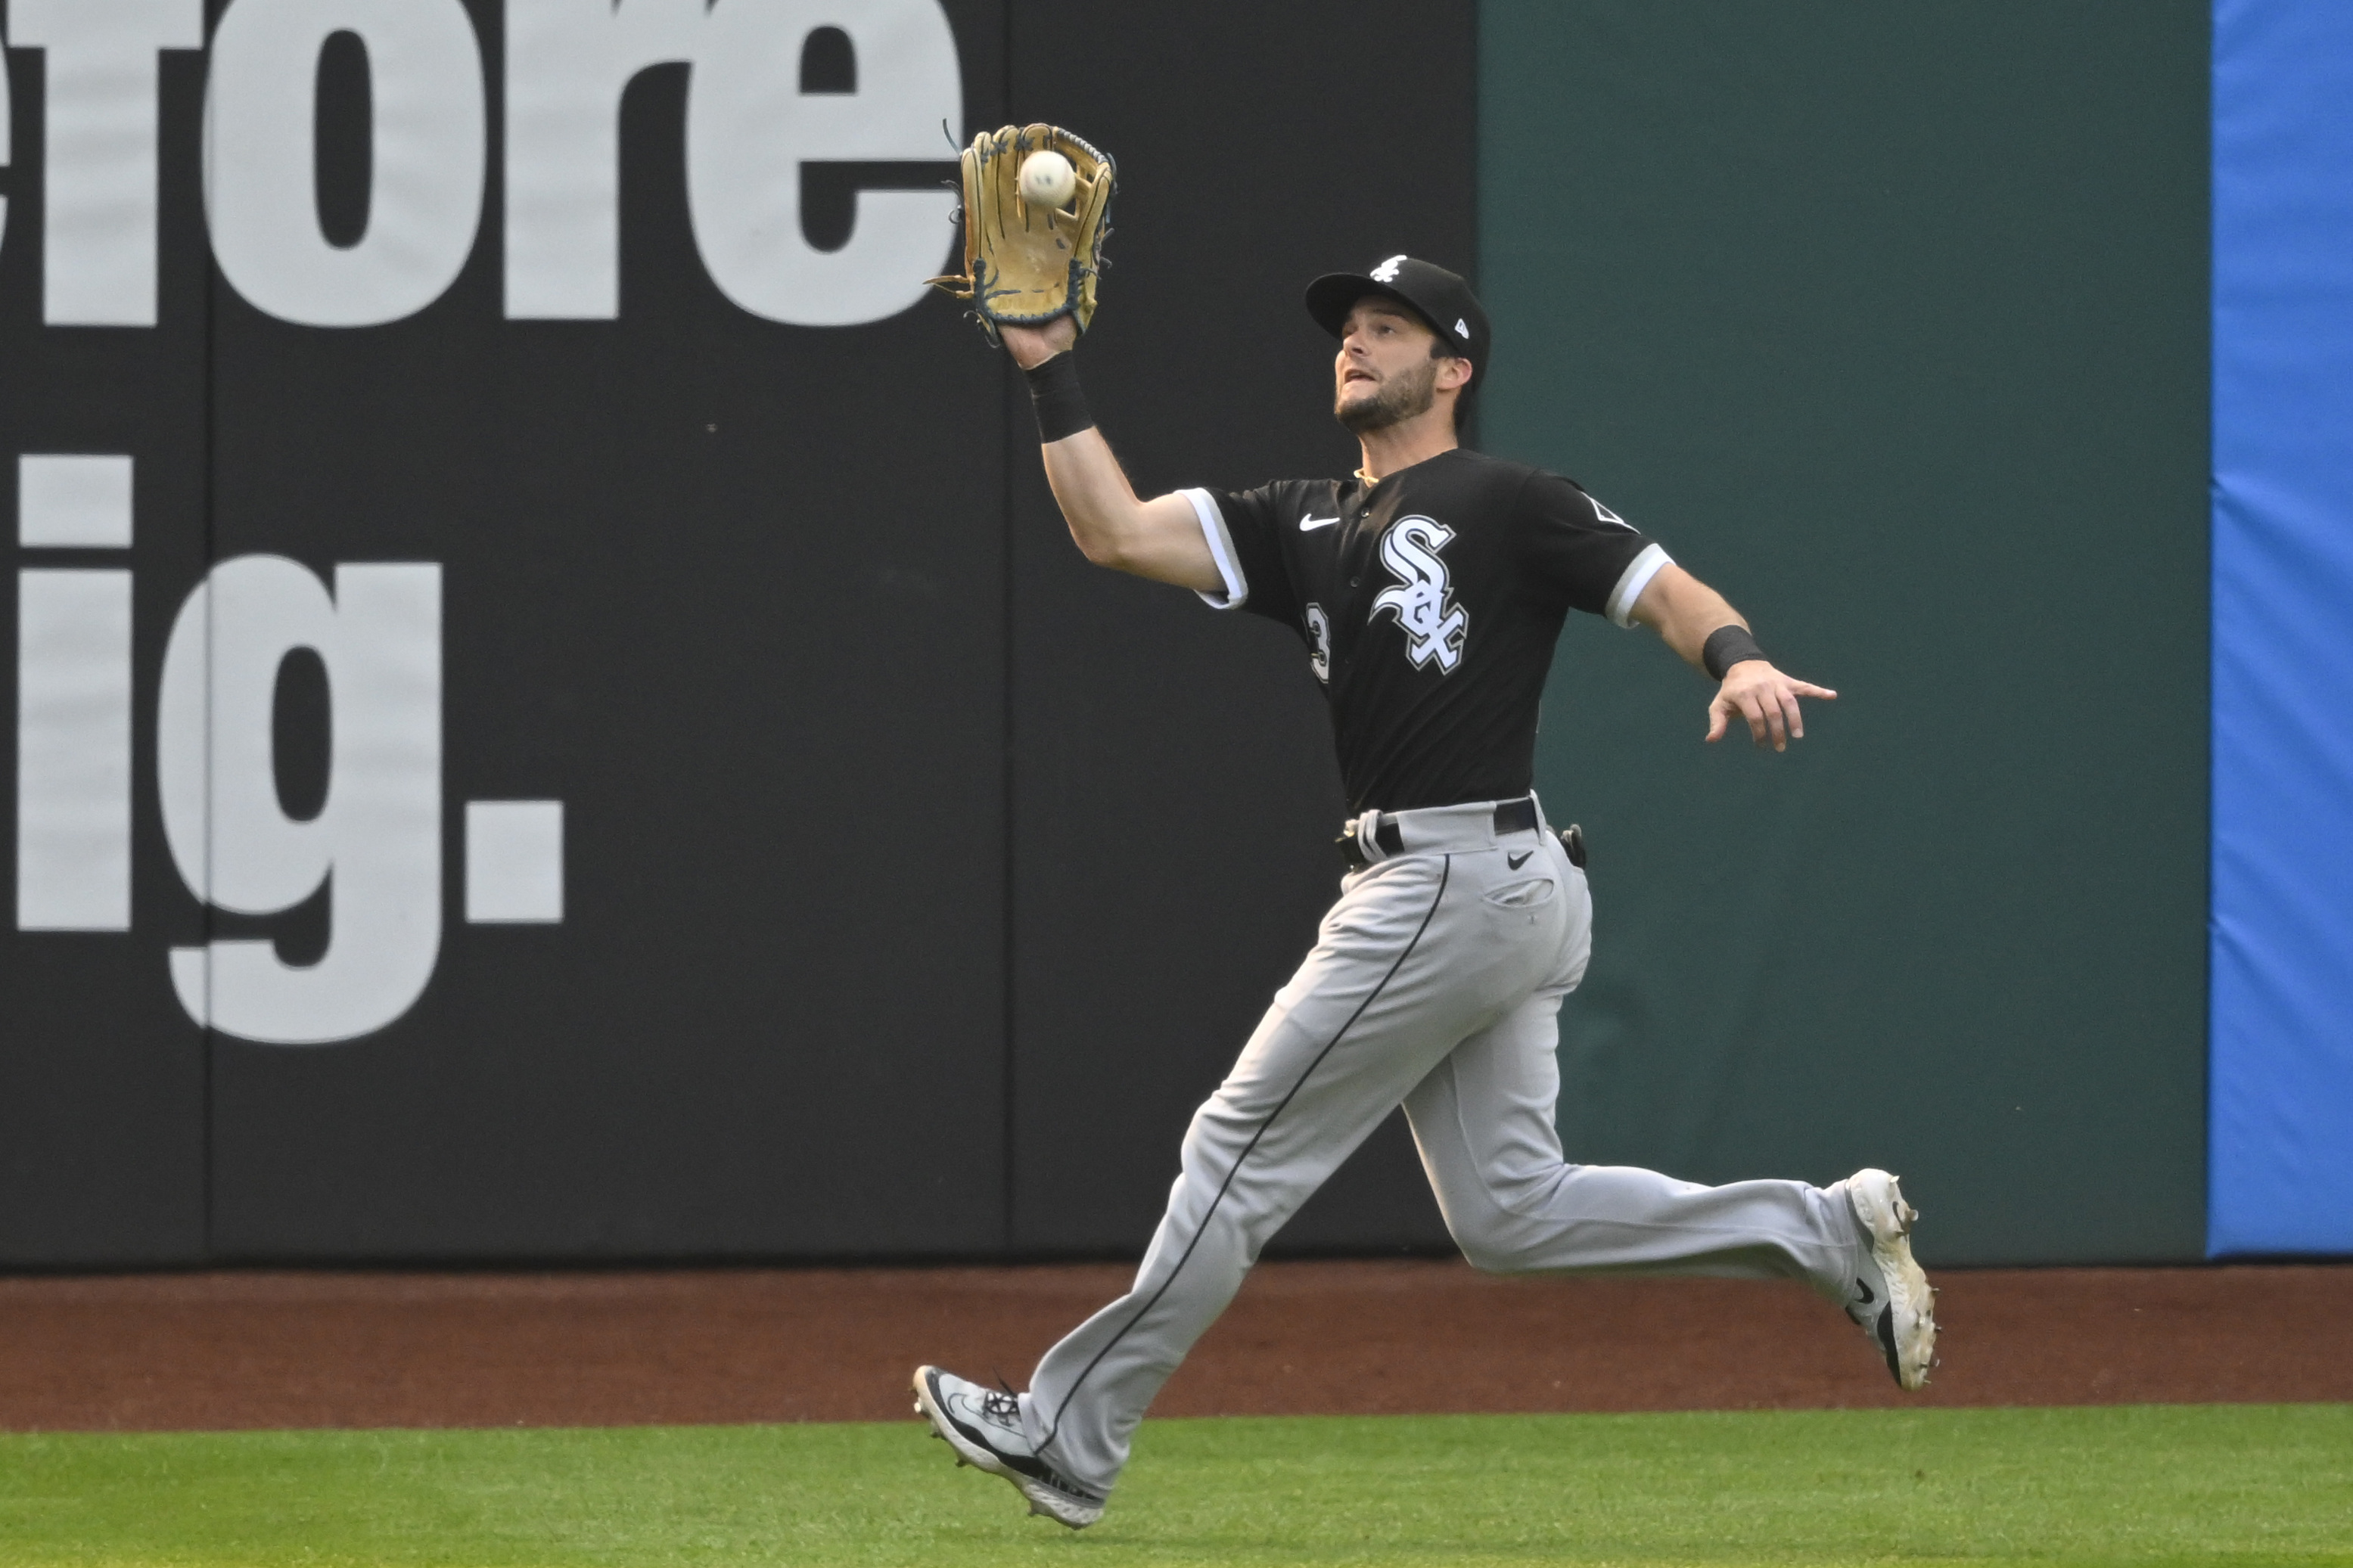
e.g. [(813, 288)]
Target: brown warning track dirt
[(278, 1350)]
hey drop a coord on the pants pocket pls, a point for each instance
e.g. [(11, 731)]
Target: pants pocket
[(1534, 893)]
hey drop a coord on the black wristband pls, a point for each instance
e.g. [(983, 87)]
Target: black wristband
[(1057, 399), (1725, 647)]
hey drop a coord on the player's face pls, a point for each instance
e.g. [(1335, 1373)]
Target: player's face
[(1384, 374)]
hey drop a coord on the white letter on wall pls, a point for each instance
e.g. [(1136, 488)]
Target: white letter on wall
[(568, 62), (97, 252), (73, 698), (73, 750), (376, 842), (749, 129), (425, 77)]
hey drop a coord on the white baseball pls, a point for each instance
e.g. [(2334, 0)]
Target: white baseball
[(1047, 179)]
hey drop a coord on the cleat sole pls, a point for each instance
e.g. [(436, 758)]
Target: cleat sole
[(1905, 1331)]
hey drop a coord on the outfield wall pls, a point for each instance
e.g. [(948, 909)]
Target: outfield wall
[(1891, 321), (2282, 1114), (656, 781), (650, 777)]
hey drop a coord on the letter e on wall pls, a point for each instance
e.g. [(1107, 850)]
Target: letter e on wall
[(749, 129)]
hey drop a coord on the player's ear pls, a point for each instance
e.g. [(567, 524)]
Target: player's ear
[(1454, 375)]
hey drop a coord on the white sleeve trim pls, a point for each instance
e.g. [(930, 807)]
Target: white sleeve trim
[(1634, 580), (1221, 551)]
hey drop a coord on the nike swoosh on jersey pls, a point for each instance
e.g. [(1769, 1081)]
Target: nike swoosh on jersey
[(1307, 525)]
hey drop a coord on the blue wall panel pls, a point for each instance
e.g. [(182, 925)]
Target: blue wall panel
[(2281, 1102)]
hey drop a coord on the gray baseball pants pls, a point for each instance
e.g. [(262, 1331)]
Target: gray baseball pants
[(1436, 982)]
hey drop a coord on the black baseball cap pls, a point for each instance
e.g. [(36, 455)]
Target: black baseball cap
[(1438, 297)]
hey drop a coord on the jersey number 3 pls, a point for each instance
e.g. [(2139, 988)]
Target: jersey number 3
[(1319, 643)]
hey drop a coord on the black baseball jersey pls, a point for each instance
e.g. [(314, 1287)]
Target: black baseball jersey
[(1429, 603)]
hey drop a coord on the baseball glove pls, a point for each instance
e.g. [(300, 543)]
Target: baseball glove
[(1025, 264)]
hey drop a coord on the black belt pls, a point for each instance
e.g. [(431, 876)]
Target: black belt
[(1510, 816)]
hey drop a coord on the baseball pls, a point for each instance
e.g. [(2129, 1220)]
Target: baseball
[(1047, 179)]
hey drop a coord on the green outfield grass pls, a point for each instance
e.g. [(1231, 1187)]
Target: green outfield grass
[(2240, 1484)]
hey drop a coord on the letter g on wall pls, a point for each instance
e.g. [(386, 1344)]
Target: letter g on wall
[(376, 843)]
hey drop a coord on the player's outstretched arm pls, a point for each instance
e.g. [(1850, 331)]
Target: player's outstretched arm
[(1160, 539), (1687, 611)]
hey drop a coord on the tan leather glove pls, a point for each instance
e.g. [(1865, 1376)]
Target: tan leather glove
[(1022, 264)]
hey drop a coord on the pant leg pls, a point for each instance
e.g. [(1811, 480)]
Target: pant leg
[(1411, 958), (1484, 1119)]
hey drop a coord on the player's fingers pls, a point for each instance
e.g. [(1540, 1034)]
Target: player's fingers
[(1808, 688), (1753, 711), (1789, 712), (1774, 723), (1719, 714)]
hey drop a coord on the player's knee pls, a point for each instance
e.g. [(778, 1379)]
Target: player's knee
[(1489, 1259), (1486, 1237)]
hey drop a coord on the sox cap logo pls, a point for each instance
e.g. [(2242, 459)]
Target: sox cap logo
[(1388, 270), (1423, 601)]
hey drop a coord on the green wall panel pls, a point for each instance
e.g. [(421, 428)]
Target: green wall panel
[(1890, 320)]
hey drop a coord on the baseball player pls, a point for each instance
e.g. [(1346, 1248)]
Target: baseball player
[(1429, 588)]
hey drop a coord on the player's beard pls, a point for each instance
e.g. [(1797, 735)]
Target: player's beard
[(1403, 396)]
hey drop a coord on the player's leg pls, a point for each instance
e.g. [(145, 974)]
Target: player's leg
[(1409, 960), (1485, 1121)]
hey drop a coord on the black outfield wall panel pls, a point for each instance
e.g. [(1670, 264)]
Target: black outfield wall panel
[(681, 619), (1175, 795), (101, 1074), (729, 589)]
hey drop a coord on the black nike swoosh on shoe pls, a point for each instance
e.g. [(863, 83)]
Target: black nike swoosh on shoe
[(1868, 1295), (1516, 861), (1029, 1465), (1038, 1469)]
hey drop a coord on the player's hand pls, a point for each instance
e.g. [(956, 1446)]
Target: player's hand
[(1035, 345), (1767, 700)]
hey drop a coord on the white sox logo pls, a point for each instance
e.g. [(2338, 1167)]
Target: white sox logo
[(1434, 624)]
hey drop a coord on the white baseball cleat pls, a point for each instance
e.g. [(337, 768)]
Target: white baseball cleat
[(1891, 1299), (984, 1426)]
